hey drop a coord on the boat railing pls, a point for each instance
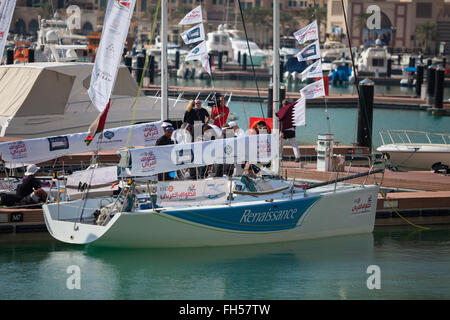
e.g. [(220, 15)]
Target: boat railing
[(413, 137)]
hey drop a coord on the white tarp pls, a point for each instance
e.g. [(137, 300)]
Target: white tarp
[(96, 179), (6, 13), (310, 32), (193, 16), (153, 160), (115, 29), (193, 192), (18, 153)]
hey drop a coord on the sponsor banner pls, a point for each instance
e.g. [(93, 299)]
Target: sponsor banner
[(194, 16), (313, 71), (310, 52), (310, 32), (299, 114), (251, 218), (362, 204), (109, 53), (197, 53), (313, 90), (194, 192), (194, 34), (158, 159), (6, 13), (20, 153)]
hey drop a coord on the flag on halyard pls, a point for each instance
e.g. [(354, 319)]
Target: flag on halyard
[(299, 114), (6, 13), (310, 32), (194, 34), (310, 52), (109, 53), (313, 71), (98, 125), (193, 16), (313, 90)]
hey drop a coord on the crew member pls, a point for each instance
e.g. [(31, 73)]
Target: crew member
[(220, 112), (164, 140)]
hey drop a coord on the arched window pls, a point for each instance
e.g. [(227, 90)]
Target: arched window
[(20, 27), (33, 27), (87, 28)]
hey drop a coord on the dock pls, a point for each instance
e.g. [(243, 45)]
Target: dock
[(421, 197), (402, 102)]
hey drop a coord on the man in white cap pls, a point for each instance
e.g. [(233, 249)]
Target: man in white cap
[(164, 140), (237, 131)]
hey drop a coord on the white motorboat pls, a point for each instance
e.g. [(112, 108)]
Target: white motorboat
[(334, 50), (212, 212), (56, 43), (220, 41), (415, 149), (45, 99), (373, 60)]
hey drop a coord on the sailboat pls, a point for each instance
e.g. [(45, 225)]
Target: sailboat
[(213, 211)]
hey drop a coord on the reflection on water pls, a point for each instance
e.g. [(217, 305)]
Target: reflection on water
[(413, 265)]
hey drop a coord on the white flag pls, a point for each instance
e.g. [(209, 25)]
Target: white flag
[(310, 52), (197, 53), (115, 29), (194, 34), (205, 63), (299, 114), (6, 13), (194, 16), (313, 90), (313, 71), (310, 32)]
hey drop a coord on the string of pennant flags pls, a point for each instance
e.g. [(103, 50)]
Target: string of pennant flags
[(310, 51), (194, 35)]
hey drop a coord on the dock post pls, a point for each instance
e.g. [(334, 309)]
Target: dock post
[(140, 67), (431, 78), (30, 55), (151, 68), (429, 62), (177, 59), (281, 70), (239, 58), (365, 114), (269, 101), (389, 68), (220, 60), (128, 63), (10, 56), (439, 88), (244, 62), (419, 79)]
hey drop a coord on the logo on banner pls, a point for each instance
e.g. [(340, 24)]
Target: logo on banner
[(150, 132), (194, 34), (104, 75), (360, 206), (18, 150), (309, 52), (2, 33), (108, 135), (148, 161), (58, 143), (189, 193), (123, 4)]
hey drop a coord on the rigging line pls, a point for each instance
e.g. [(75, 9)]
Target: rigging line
[(141, 82), (251, 58)]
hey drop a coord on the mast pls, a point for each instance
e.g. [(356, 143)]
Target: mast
[(164, 66), (276, 80)]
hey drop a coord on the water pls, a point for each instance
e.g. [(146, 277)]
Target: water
[(343, 122), (413, 265)]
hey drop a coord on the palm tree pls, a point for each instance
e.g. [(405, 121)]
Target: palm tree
[(311, 13), (426, 32), (258, 17), (46, 10)]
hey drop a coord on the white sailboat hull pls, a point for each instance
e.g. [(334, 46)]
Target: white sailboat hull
[(348, 211)]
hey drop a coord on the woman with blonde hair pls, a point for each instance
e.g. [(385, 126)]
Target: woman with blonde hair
[(194, 115)]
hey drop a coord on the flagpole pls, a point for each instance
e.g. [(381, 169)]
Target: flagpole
[(276, 80), (164, 65)]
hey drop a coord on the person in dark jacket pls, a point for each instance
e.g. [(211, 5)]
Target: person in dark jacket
[(287, 127), (164, 140), (195, 113), (28, 185)]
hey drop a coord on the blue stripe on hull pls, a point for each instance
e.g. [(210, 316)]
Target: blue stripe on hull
[(262, 217)]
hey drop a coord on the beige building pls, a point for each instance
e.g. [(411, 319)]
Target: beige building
[(400, 21)]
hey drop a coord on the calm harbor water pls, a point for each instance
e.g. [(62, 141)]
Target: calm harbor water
[(413, 265)]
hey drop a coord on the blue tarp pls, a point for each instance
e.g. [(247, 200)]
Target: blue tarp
[(293, 65), (411, 69)]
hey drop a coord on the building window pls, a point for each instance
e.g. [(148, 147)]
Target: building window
[(424, 10), (336, 9), (143, 5)]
